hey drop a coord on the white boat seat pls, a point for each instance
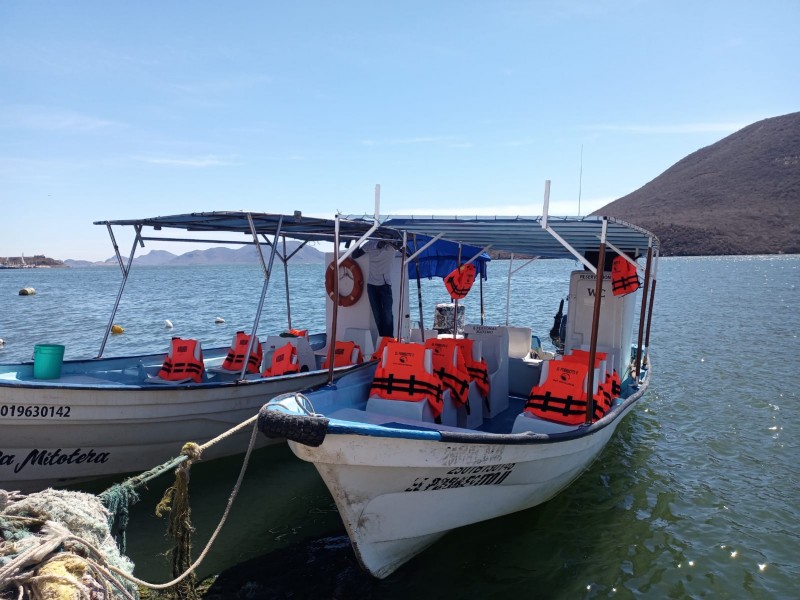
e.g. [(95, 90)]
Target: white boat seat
[(416, 335), (494, 350), (174, 362), (447, 354), (347, 353), (362, 337), (519, 342), (528, 422), (419, 410), (305, 355), (238, 339)]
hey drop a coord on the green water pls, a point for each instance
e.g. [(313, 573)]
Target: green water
[(696, 496)]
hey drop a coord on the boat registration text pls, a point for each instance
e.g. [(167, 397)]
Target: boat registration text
[(18, 410), (463, 477)]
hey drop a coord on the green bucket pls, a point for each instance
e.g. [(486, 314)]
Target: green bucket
[(47, 360)]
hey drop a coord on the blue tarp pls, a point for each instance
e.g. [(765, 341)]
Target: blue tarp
[(441, 258)]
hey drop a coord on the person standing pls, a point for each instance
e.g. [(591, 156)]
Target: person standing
[(381, 255)]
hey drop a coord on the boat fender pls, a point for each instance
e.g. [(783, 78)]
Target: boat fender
[(309, 430), (2, 342), (348, 269), (219, 320), (117, 329), (168, 324), (27, 291)]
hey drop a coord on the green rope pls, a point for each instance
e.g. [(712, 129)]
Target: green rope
[(121, 496), (176, 502)]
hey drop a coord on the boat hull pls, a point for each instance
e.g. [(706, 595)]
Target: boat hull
[(57, 433), (397, 496)]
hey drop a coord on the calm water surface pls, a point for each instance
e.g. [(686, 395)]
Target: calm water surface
[(695, 496)]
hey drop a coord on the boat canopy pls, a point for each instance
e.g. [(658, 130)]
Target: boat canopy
[(528, 235), (442, 257), (294, 226)]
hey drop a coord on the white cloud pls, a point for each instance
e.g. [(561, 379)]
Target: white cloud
[(42, 118), (445, 140), (195, 162)]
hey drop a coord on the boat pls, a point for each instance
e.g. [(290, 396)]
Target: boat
[(68, 421), (401, 476)]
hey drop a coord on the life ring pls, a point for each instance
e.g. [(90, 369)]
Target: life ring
[(349, 268)]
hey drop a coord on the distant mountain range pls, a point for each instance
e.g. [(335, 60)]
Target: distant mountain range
[(213, 256), (738, 196)]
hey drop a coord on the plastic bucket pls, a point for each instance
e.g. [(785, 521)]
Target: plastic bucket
[(47, 360)]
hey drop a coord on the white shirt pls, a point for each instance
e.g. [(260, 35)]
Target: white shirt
[(380, 262)]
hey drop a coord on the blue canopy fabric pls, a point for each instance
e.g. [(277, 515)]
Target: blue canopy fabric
[(441, 258)]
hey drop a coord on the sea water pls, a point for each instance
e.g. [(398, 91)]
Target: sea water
[(697, 494)]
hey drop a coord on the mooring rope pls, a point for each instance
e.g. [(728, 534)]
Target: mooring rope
[(226, 513), (117, 499)]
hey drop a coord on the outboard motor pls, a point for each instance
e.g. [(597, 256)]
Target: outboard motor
[(557, 332)]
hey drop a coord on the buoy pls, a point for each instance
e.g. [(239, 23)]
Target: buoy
[(2, 342), (27, 291), (219, 320), (168, 324), (116, 329)]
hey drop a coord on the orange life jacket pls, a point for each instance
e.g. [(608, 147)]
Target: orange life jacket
[(454, 376), (401, 375), (235, 358), (284, 361), (344, 354), (184, 361), (297, 332), (561, 398), (624, 278), (459, 281), (384, 341), (477, 369)]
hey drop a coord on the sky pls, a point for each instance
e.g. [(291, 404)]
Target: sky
[(117, 110)]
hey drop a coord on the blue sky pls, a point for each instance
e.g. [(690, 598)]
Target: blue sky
[(113, 110)]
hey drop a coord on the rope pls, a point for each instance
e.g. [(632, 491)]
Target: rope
[(190, 570), (119, 497), (43, 549)]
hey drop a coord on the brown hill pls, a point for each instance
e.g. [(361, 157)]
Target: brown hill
[(738, 196)]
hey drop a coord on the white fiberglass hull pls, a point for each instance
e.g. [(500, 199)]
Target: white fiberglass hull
[(396, 496), (58, 433)]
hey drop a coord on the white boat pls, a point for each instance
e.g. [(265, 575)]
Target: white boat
[(401, 480), (106, 416)]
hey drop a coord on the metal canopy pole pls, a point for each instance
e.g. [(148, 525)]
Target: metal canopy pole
[(645, 293), (359, 241), (285, 262), (598, 294), (483, 308), (650, 308), (401, 302), (561, 240), (455, 306), (125, 271), (267, 270), (508, 287), (335, 300), (419, 293)]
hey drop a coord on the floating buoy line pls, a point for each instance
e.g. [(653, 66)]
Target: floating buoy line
[(66, 544)]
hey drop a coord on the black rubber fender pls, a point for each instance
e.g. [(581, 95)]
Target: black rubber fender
[(304, 429)]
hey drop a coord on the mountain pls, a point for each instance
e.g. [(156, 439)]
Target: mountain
[(212, 256), (740, 195)]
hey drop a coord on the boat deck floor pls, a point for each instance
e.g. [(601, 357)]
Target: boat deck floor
[(501, 423)]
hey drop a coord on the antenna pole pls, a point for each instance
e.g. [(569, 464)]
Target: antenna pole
[(580, 183)]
